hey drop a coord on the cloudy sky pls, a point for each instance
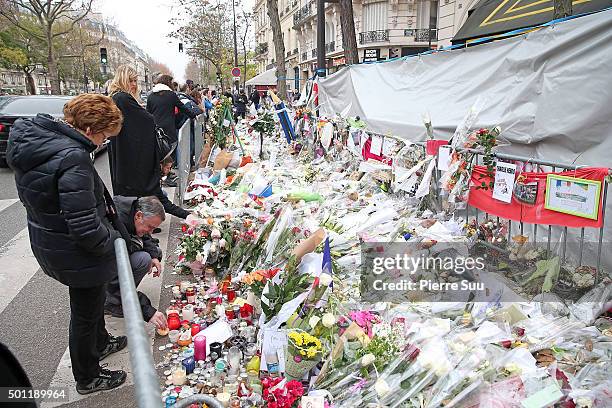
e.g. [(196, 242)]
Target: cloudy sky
[(146, 23)]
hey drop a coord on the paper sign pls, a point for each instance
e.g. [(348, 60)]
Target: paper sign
[(423, 189), (504, 181), (312, 401), (219, 331), (544, 398), (274, 340), (444, 158), (226, 122), (376, 146)]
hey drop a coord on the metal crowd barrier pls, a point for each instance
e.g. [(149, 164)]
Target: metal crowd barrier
[(141, 358), (183, 150), (551, 232)]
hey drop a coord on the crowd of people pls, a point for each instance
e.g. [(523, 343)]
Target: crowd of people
[(73, 220)]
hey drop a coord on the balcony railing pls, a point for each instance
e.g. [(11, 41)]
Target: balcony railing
[(314, 53), (373, 36), (330, 47), (295, 51), (261, 48), (425, 34), (304, 56), (302, 14)]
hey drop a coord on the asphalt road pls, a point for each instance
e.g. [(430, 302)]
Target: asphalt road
[(34, 309)]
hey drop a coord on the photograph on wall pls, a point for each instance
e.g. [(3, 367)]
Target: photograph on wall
[(573, 196)]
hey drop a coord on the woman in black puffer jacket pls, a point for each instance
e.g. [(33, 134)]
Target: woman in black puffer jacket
[(70, 235)]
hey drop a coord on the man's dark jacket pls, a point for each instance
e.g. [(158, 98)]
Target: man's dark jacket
[(63, 194), (126, 210)]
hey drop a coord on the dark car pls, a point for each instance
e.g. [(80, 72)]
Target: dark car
[(13, 107)]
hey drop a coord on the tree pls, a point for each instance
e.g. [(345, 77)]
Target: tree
[(20, 52), (48, 14), (279, 48), (206, 30), (349, 40), (160, 67), (193, 72), (245, 24)]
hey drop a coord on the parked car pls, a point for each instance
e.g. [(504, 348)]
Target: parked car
[(14, 107)]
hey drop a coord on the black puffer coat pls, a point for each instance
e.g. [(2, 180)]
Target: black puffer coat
[(64, 197)]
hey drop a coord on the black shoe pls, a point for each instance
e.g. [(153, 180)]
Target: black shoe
[(114, 345), (106, 380), (113, 310), (156, 231)]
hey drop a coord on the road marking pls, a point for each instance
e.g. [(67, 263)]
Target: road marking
[(120, 361), (18, 267), (4, 204)]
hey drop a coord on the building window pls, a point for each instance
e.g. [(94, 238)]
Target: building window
[(375, 16), (427, 14)]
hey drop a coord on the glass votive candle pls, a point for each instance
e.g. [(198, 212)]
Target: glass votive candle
[(173, 335)]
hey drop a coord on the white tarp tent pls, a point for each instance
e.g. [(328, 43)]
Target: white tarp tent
[(549, 90), (266, 78)]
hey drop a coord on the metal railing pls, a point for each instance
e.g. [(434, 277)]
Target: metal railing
[(330, 47), (304, 56), (425, 34), (183, 150), (314, 53), (141, 358), (302, 14), (373, 36)]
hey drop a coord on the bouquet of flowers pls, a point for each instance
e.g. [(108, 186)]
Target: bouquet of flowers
[(200, 193), (264, 124), (256, 280), (279, 393), (304, 352)]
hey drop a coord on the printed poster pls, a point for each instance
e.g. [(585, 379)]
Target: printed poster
[(504, 181)]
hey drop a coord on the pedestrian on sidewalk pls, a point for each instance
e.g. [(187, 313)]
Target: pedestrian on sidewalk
[(133, 157), (70, 235), (241, 103), (139, 217), (255, 98)]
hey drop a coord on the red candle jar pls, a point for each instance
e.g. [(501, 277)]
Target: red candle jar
[(191, 295), (195, 329), (229, 313), (231, 293), (174, 321)]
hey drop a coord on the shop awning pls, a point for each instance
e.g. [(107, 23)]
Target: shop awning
[(491, 17), (267, 78)]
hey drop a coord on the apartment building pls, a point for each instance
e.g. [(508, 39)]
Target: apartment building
[(385, 29)]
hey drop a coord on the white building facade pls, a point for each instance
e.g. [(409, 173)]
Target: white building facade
[(385, 29)]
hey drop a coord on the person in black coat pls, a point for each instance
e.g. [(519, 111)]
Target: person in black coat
[(241, 103), (255, 97), (134, 160), (164, 104), (70, 235)]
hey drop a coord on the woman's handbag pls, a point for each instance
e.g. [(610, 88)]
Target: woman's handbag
[(165, 146)]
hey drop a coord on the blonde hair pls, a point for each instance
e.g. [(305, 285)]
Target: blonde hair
[(121, 81), (96, 112)]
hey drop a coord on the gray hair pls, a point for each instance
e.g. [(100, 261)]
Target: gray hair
[(151, 207)]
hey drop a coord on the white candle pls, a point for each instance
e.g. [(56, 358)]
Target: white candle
[(188, 313), (179, 376), (223, 398)]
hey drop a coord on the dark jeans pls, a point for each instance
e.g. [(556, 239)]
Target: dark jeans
[(88, 335)]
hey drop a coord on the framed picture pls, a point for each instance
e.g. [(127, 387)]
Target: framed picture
[(573, 196)]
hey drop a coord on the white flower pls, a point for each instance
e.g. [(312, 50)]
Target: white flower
[(215, 233), (325, 279), (199, 257), (213, 248), (328, 320), (222, 243), (313, 321), (367, 359), (381, 387)]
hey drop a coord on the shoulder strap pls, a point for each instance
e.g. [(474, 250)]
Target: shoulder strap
[(113, 216)]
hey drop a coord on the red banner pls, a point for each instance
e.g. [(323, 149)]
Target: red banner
[(528, 198)]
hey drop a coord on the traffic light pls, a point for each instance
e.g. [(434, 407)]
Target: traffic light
[(180, 47), (103, 56)]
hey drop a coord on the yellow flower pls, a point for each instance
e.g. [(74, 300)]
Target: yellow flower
[(302, 352)]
